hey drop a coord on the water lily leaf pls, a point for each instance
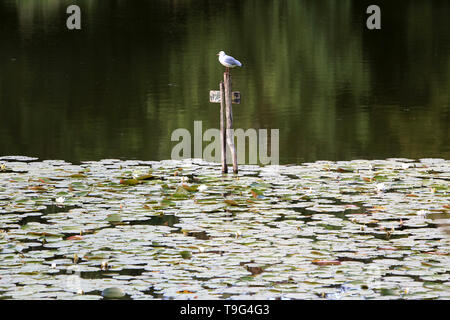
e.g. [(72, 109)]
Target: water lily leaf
[(114, 217), (380, 178), (78, 176), (37, 188), (130, 182), (185, 292), (146, 177), (326, 262), (180, 193), (192, 188), (164, 203), (44, 234), (254, 269), (231, 202), (113, 293), (82, 193), (344, 170), (75, 238), (186, 254)]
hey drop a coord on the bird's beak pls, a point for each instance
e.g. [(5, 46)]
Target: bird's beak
[(218, 54)]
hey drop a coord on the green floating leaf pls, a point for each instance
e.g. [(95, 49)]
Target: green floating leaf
[(114, 217), (82, 193), (113, 293), (45, 234), (146, 177), (231, 203), (257, 192), (344, 170), (186, 254), (181, 192), (77, 184), (78, 176), (381, 178), (193, 188), (130, 182), (167, 203)]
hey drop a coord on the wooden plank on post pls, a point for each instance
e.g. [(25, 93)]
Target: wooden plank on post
[(215, 97), (223, 137), (229, 114)]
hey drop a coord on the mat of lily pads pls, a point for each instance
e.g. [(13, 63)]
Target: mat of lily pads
[(181, 230)]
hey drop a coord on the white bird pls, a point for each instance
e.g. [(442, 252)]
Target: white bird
[(228, 61)]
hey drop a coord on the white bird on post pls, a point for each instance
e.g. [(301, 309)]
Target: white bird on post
[(226, 101), (228, 61)]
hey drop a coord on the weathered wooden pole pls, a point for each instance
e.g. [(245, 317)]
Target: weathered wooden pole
[(223, 135), (226, 98), (229, 114)]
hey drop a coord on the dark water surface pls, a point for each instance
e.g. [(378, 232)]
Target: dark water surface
[(138, 70)]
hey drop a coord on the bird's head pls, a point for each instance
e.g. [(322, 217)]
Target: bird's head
[(221, 53)]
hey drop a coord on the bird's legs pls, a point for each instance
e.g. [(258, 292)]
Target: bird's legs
[(228, 70)]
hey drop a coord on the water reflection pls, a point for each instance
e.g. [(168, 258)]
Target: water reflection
[(137, 71)]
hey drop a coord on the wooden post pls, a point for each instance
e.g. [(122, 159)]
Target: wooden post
[(229, 114), (223, 135), (226, 98)]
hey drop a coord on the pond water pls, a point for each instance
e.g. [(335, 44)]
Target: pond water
[(138, 70), (179, 230), (115, 219)]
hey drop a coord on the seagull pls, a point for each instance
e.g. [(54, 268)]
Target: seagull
[(228, 61)]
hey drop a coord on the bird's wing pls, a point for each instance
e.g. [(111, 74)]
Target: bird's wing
[(231, 60)]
